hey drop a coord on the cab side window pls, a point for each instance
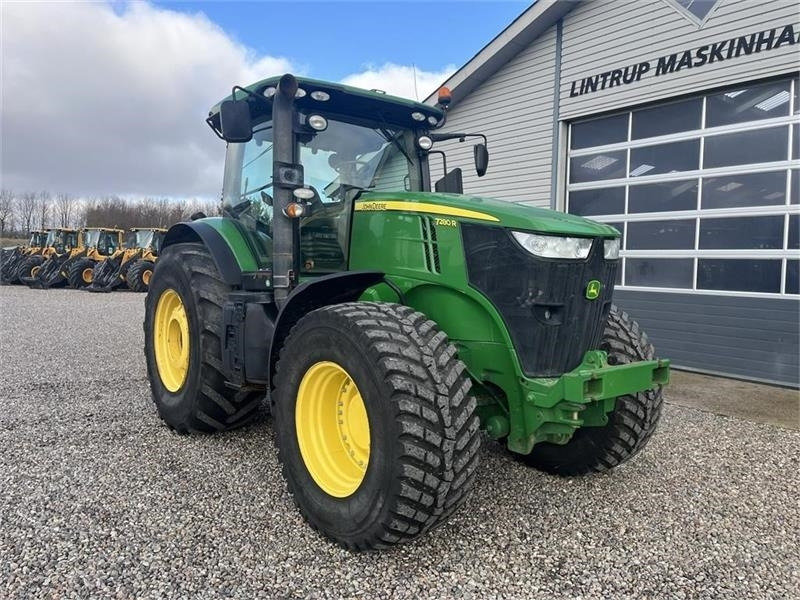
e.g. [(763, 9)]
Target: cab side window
[(256, 191)]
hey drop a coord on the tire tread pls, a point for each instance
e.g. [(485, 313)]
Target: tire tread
[(430, 390)]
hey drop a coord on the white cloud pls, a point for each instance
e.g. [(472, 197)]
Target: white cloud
[(102, 98), (101, 101), (399, 80)]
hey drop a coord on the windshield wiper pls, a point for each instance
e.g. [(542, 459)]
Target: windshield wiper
[(258, 189), (257, 157)]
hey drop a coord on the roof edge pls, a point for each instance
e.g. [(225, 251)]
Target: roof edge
[(522, 31)]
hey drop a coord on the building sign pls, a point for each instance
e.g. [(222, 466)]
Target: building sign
[(745, 45)]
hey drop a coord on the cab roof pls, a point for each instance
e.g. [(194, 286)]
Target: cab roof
[(147, 229), (344, 99), (103, 229)]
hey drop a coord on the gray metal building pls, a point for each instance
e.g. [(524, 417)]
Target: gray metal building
[(676, 121)]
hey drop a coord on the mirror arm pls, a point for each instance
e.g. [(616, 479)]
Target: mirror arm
[(216, 131), (441, 137), (249, 93), (444, 158)]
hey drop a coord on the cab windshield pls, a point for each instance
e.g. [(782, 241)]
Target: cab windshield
[(339, 162), (91, 238), (144, 239)]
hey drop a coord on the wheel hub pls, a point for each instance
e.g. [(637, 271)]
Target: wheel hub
[(171, 335), (332, 429)]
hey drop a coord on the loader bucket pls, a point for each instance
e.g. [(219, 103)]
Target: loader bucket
[(106, 275), (52, 273)]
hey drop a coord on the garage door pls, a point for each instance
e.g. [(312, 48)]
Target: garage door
[(705, 192)]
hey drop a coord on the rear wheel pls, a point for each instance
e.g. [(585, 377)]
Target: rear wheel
[(183, 344), (374, 422), (139, 275), (630, 424), (81, 273)]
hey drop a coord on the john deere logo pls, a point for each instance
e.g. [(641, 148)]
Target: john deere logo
[(593, 289)]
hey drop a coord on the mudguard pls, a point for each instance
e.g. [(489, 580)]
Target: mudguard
[(224, 240), (316, 293)]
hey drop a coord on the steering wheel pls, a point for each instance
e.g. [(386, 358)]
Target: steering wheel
[(237, 209)]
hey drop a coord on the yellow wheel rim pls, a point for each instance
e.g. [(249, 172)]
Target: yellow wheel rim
[(34, 271), (146, 276), (332, 429), (87, 275), (171, 340)]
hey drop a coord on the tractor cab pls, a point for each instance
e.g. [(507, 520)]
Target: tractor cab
[(61, 240), (38, 239), (101, 242), (144, 239), (332, 144)]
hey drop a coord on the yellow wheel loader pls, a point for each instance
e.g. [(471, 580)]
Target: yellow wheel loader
[(11, 259), (141, 251)]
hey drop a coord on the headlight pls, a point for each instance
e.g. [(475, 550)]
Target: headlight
[(317, 122), (550, 246), (424, 142), (611, 249)]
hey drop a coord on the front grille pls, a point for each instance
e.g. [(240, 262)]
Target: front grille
[(542, 301)]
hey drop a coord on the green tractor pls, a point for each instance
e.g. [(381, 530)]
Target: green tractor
[(388, 324)]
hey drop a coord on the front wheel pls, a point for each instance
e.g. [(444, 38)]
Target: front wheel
[(81, 273), (374, 423), (29, 267), (630, 425), (183, 344), (139, 275)]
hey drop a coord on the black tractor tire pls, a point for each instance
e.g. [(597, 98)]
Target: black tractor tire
[(139, 274), (630, 425), (203, 403), (27, 266), (76, 273), (423, 430)]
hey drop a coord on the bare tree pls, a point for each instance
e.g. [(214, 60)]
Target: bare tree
[(26, 207), (65, 207), (43, 208), (6, 210)]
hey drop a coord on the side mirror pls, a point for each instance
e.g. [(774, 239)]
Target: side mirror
[(481, 159), (235, 121)]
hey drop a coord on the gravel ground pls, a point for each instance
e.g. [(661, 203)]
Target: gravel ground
[(99, 499)]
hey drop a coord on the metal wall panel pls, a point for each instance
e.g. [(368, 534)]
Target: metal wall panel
[(750, 337), (514, 108), (601, 35)]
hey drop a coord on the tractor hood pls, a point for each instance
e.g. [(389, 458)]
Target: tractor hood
[(485, 210)]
